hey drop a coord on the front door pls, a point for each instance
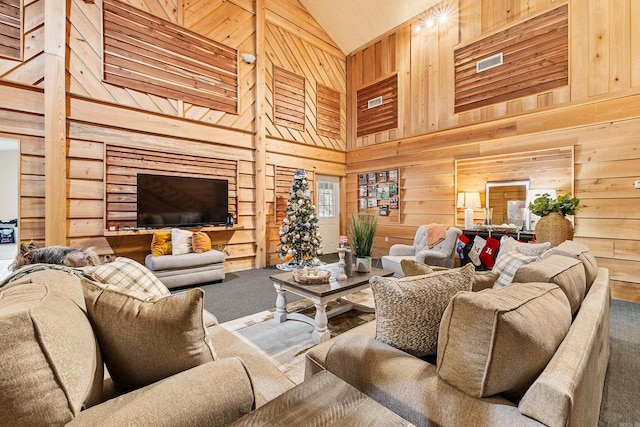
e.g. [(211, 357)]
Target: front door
[(328, 197)]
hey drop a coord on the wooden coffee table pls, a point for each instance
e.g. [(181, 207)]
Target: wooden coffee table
[(320, 295), (323, 400)]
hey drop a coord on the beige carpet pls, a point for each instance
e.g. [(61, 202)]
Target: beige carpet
[(286, 343)]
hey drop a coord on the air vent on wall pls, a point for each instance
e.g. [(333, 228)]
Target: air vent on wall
[(374, 102), (488, 63)]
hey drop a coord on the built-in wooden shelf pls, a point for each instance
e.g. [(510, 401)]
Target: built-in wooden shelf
[(136, 232)]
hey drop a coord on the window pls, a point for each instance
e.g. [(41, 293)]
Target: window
[(327, 199)]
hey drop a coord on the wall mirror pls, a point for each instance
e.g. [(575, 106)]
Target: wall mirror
[(507, 199), (550, 169)]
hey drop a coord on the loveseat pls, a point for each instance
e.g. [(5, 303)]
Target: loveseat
[(442, 389), (62, 330)]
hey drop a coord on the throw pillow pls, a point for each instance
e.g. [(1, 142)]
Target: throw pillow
[(181, 241), (129, 274), (580, 251), (508, 264), (147, 338), (161, 243), (414, 268), (201, 242), (530, 249), (408, 310), (500, 340)]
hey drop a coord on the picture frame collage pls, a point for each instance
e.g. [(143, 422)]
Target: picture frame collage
[(379, 190)]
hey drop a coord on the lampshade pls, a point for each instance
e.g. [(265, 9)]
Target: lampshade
[(469, 200)]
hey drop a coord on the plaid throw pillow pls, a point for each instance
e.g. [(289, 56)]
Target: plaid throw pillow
[(127, 273), (508, 264)]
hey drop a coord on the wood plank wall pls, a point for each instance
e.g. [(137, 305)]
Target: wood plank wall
[(597, 114), (11, 29), (100, 114), (29, 70)]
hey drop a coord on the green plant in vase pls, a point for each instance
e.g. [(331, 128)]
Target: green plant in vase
[(363, 229), (553, 225)]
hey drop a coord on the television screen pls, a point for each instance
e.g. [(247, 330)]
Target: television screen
[(179, 201)]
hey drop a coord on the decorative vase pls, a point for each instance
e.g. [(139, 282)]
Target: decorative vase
[(363, 265), (554, 228)]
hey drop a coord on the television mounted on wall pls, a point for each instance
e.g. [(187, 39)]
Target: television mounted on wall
[(180, 201)]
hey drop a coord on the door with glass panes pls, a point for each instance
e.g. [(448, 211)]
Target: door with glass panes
[(328, 204)]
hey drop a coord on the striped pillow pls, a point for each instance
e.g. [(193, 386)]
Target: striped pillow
[(127, 273), (507, 265)]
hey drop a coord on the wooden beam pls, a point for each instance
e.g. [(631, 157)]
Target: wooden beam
[(260, 138), (55, 18)]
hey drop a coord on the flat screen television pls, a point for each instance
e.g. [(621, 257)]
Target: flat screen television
[(180, 201)]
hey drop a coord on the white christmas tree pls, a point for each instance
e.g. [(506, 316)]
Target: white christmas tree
[(300, 240)]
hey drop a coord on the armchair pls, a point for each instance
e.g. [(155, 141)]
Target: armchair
[(442, 254)]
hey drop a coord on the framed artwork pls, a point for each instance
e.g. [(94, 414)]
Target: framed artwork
[(363, 204), (372, 177), (393, 188), (382, 176), (383, 210), (393, 203), (362, 179), (363, 191), (372, 202), (393, 175)]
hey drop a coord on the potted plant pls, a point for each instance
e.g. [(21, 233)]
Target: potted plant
[(362, 229), (553, 225)]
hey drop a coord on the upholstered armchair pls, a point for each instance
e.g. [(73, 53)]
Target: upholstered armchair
[(441, 254)]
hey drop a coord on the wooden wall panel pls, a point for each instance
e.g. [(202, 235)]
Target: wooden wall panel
[(288, 99), (11, 29), (535, 56), (154, 55), (29, 68), (292, 43), (328, 118), (380, 117), (603, 57)]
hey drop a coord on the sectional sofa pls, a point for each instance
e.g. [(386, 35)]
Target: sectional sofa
[(457, 386), (79, 351)]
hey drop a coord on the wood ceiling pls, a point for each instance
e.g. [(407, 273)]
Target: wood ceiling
[(353, 23)]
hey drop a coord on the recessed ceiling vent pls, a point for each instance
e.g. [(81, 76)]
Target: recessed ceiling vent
[(488, 63), (374, 102)]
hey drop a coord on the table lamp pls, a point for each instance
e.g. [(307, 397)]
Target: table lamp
[(469, 201)]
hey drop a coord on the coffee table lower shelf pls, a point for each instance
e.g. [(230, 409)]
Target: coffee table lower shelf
[(323, 400)]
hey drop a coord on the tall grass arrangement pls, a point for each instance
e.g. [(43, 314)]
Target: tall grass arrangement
[(362, 229)]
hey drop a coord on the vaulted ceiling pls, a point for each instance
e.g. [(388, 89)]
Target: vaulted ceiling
[(353, 23)]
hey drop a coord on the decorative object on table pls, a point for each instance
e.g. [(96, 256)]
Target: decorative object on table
[(488, 216), (348, 256), (300, 241), (553, 226), (531, 196), (362, 229), (341, 272), (311, 275), (468, 201)]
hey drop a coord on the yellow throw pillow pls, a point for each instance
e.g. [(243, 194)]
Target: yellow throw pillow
[(161, 243), (414, 268), (201, 242), (146, 338)]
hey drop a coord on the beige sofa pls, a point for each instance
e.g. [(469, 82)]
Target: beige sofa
[(52, 371), (568, 392)]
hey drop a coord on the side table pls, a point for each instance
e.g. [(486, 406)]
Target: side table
[(322, 400)]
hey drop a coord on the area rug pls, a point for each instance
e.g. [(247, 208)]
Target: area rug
[(286, 343)]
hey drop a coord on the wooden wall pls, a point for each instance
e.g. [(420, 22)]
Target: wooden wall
[(597, 114), (98, 114)]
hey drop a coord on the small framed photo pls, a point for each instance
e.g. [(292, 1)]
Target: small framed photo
[(383, 210), (393, 175), (363, 191), (393, 188), (363, 204), (372, 202), (383, 193), (382, 176), (373, 190), (362, 179), (372, 177), (393, 203)]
